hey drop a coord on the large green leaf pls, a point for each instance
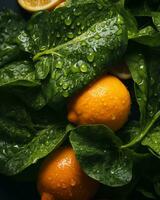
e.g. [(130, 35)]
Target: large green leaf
[(82, 47), (11, 24), (20, 73), (97, 150), (16, 157), (145, 73)]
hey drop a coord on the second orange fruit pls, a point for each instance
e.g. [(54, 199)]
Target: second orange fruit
[(105, 101), (61, 178)]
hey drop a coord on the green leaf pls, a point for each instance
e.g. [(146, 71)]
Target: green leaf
[(81, 47), (156, 19), (18, 73), (152, 140), (96, 148), (11, 24), (147, 36), (14, 157), (32, 96), (143, 7), (138, 69), (146, 78)]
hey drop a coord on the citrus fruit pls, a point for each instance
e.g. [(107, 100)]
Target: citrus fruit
[(104, 101), (37, 5), (61, 178)]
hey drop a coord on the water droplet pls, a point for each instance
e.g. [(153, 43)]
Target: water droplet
[(59, 64), (73, 182), (97, 36), (65, 86), (141, 83), (72, 27), (65, 94), (82, 27), (78, 23), (79, 32), (113, 117), (75, 68), (58, 35), (70, 35), (62, 17), (68, 21), (76, 12), (83, 43), (84, 68), (141, 67), (99, 6), (112, 172), (90, 57)]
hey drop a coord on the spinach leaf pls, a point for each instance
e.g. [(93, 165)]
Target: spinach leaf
[(97, 149), (16, 157), (32, 96), (82, 47), (152, 141), (19, 73), (11, 24), (156, 19), (147, 36), (145, 75), (12, 108), (138, 69), (143, 7)]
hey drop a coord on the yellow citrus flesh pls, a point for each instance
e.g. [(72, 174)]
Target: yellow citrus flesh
[(61, 178), (36, 5), (105, 101)]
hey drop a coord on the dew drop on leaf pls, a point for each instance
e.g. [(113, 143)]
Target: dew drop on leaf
[(70, 35), (90, 57), (58, 35), (75, 68), (82, 27), (65, 94), (84, 68), (68, 21), (65, 86), (76, 12), (78, 23), (59, 65)]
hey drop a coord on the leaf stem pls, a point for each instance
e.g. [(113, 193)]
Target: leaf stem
[(139, 137), (46, 52)]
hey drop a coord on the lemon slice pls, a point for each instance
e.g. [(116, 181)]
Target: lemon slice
[(37, 5), (121, 71)]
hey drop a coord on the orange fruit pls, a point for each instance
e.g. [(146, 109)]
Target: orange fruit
[(121, 71), (105, 101), (61, 178), (37, 5)]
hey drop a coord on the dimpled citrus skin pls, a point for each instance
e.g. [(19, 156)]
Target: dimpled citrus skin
[(105, 101), (61, 178)]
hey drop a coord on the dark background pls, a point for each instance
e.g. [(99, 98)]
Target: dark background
[(11, 189)]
